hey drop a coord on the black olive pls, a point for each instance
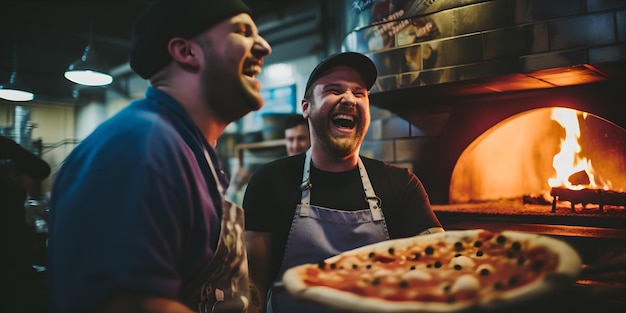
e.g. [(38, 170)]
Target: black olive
[(485, 272), (451, 299), (437, 264), (478, 244), (501, 239), (457, 255), (321, 265), (354, 266), (412, 267), (429, 250), (510, 254), (521, 260), (447, 288), (516, 246), (371, 255), (404, 284), (479, 253), (458, 246), (368, 266), (513, 281), (376, 282), (333, 266), (391, 250), (498, 286), (416, 256), (458, 267)]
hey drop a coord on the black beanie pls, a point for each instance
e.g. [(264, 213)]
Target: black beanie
[(166, 19)]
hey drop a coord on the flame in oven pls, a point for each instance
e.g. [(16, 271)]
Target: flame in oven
[(572, 170), (530, 153)]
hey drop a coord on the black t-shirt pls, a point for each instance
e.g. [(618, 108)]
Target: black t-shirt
[(274, 192)]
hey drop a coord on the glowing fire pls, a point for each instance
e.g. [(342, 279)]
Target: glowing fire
[(568, 162)]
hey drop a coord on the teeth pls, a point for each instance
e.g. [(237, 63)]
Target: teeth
[(252, 70), (344, 117)]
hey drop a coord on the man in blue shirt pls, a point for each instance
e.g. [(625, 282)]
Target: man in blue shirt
[(138, 221)]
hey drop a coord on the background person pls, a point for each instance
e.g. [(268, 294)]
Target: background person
[(306, 208), (138, 217), (297, 140), (297, 137), (21, 290)]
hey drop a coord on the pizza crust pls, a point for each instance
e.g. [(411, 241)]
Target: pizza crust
[(568, 268), (349, 302)]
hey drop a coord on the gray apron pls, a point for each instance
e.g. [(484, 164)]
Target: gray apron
[(226, 286), (318, 233)]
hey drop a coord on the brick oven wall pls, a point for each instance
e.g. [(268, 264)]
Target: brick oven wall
[(489, 38), (393, 139)]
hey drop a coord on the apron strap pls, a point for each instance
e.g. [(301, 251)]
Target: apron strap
[(305, 198), (373, 201), (370, 196), (220, 188)]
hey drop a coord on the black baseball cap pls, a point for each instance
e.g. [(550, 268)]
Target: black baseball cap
[(359, 62)]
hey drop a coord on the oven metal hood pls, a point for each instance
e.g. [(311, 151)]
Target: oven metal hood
[(404, 100), (446, 48)]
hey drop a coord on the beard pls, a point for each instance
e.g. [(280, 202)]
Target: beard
[(227, 93), (339, 146)]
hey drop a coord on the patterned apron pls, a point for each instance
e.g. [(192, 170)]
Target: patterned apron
[(318, 233), (226, 286)]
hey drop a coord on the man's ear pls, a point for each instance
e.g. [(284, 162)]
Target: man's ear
[(183, 51), (305, 108)]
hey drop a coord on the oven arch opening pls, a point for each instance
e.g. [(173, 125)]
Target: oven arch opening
[(514, 158)]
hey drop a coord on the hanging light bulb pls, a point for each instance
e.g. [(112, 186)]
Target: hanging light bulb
[(14, 89), (88, 70)]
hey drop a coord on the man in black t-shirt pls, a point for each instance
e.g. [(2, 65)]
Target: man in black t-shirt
[(305, 208)]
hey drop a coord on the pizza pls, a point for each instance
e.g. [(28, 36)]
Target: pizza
[(442, 272)]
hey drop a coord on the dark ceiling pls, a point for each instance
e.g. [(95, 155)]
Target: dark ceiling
[(48, 35)]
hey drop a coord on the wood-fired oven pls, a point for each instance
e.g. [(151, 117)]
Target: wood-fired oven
[(492, 163), (529, 95)]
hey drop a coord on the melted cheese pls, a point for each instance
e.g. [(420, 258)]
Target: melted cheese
[(463, 261), (465, 283), (417, 275)]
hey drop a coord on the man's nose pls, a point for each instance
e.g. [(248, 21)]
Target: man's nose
[(261, 47), (348, 98)]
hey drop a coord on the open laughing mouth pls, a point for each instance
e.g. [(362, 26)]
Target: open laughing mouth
[(252, 70), (344, 121)]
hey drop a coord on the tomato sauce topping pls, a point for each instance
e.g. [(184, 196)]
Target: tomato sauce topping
[(437, 272)]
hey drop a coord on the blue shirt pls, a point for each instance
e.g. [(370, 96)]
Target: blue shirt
[(134, 208)]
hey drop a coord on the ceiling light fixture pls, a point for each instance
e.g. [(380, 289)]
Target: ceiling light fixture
[(14, 89), (88, 70)]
